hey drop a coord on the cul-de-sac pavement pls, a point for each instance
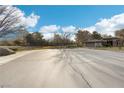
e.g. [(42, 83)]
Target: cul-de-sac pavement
[(63, 68)]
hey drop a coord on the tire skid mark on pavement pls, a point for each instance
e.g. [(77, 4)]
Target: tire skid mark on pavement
[(68, 54), (96, 62), (92, 63)]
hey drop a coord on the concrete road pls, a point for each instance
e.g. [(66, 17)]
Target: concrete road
[(63, 68)]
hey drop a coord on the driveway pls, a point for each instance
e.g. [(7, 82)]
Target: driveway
[(65, 68)]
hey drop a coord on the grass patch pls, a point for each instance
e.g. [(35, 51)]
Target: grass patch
[(34, 48)]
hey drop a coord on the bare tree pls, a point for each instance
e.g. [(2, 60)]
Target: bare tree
[(106, 36), (96, 35), (34, 39), (66, 38), (57, 39), (120, 34), (82, 36), (62, 40), (9, 19)]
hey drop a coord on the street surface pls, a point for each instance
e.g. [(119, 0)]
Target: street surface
[(68, 68)]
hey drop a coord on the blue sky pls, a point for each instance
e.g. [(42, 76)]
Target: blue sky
[(80, 16), (85, 16)]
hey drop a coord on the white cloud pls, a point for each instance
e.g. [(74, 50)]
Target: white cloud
[(31, 20), (49, 29), (70, 29), (91, 28), (48, 35), (72, 37), (17, 12), (28, 21), (108, 26)]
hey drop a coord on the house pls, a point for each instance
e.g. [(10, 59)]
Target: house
[(108, 42), (113, 41), (94, 43)]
